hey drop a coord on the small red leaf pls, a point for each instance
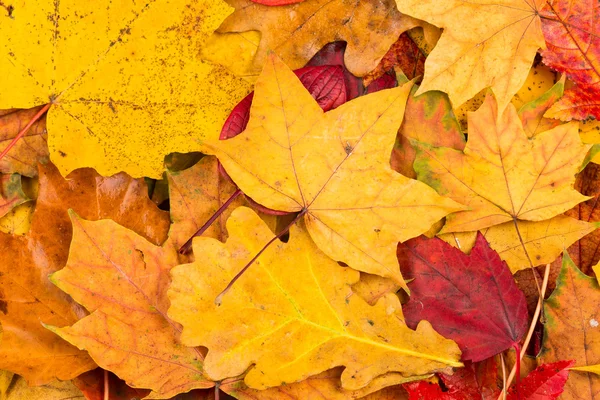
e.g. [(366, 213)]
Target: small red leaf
[(424, 390), (546, 382), (471, 299), (272, 3)]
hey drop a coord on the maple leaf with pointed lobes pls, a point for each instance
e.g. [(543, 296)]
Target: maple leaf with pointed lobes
[(27, 296), (502, 175), (334, 168), (293, 315), (128, 330), (573, 47), (495, 48), (471, 299), (546, 382), (119, 76), (571, 329)]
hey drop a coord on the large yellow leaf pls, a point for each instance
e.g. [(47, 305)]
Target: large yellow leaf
[(333, 166), (502, 175), (297, 32), (122, 279), (293, 315), (125, 78), (483, 44)]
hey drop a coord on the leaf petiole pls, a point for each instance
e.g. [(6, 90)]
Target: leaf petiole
[(219, 298)]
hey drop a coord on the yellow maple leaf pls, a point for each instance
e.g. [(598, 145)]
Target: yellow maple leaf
[(122, 279), (502, 175), (334, 168), (293, 315), (297, 32), (483, 44), (121, 77)]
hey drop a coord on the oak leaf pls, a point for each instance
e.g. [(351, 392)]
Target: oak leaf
[(297, 32), (128, 331), (571, 32), (571, 329), (120, 77), (502, 175), (30, 149), (334, 168), (471, 299), (483, 44), (27, 297), (293, 315)]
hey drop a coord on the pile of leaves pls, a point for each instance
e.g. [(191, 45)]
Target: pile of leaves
[(300, 199)]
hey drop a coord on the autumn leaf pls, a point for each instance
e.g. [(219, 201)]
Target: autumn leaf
[(11, 193), (494, 49), (571, 34), (333, 168), (546, 382), (119, 77), (295, 299), (92, 383), (471, 299), (532, 113), (30, 149), (296, 32), (325, 385), (57, 390), (571, 329), (128, 331), (27, 296)]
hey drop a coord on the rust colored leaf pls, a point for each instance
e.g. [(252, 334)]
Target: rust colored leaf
[(571, 330), (122, 279), (27, 296), (11, 193), (297, 32), (91, 385), (30, 149), (471, 299), (546, 382), (404, 54), (272, 3), (586, 252), (572, 38)]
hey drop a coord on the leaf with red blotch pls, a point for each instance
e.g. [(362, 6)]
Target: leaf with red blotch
[(573, 47), (272, 3), (471, 299), (405, 54), (474, 381), (546, 382), (325, 83)]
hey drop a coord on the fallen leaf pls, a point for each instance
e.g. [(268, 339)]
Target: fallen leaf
[(334, 168), (56, 390), (11, 193), (371, 288), (272, 3), (571, 32), (325, 385), (502, 175), (471, 299), (546, 382), (120, 78), (18, 220), (532, 113), (483, 44), (128, 331), (571, 330), (297, 300), (27, 296), (428, 118), (30, 149), (535, 243), (297, 32)]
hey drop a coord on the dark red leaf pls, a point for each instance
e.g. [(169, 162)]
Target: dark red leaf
[(546, 382), (424, 390), (471, 299), (385, 81), (272, 3), (91, 385)]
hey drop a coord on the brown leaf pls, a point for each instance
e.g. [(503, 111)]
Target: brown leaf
[(27, 296)]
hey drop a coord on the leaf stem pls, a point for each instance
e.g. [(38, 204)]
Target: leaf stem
[(23, 131), (536, 315), (106, 387), (188, 245), (219, 298)]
